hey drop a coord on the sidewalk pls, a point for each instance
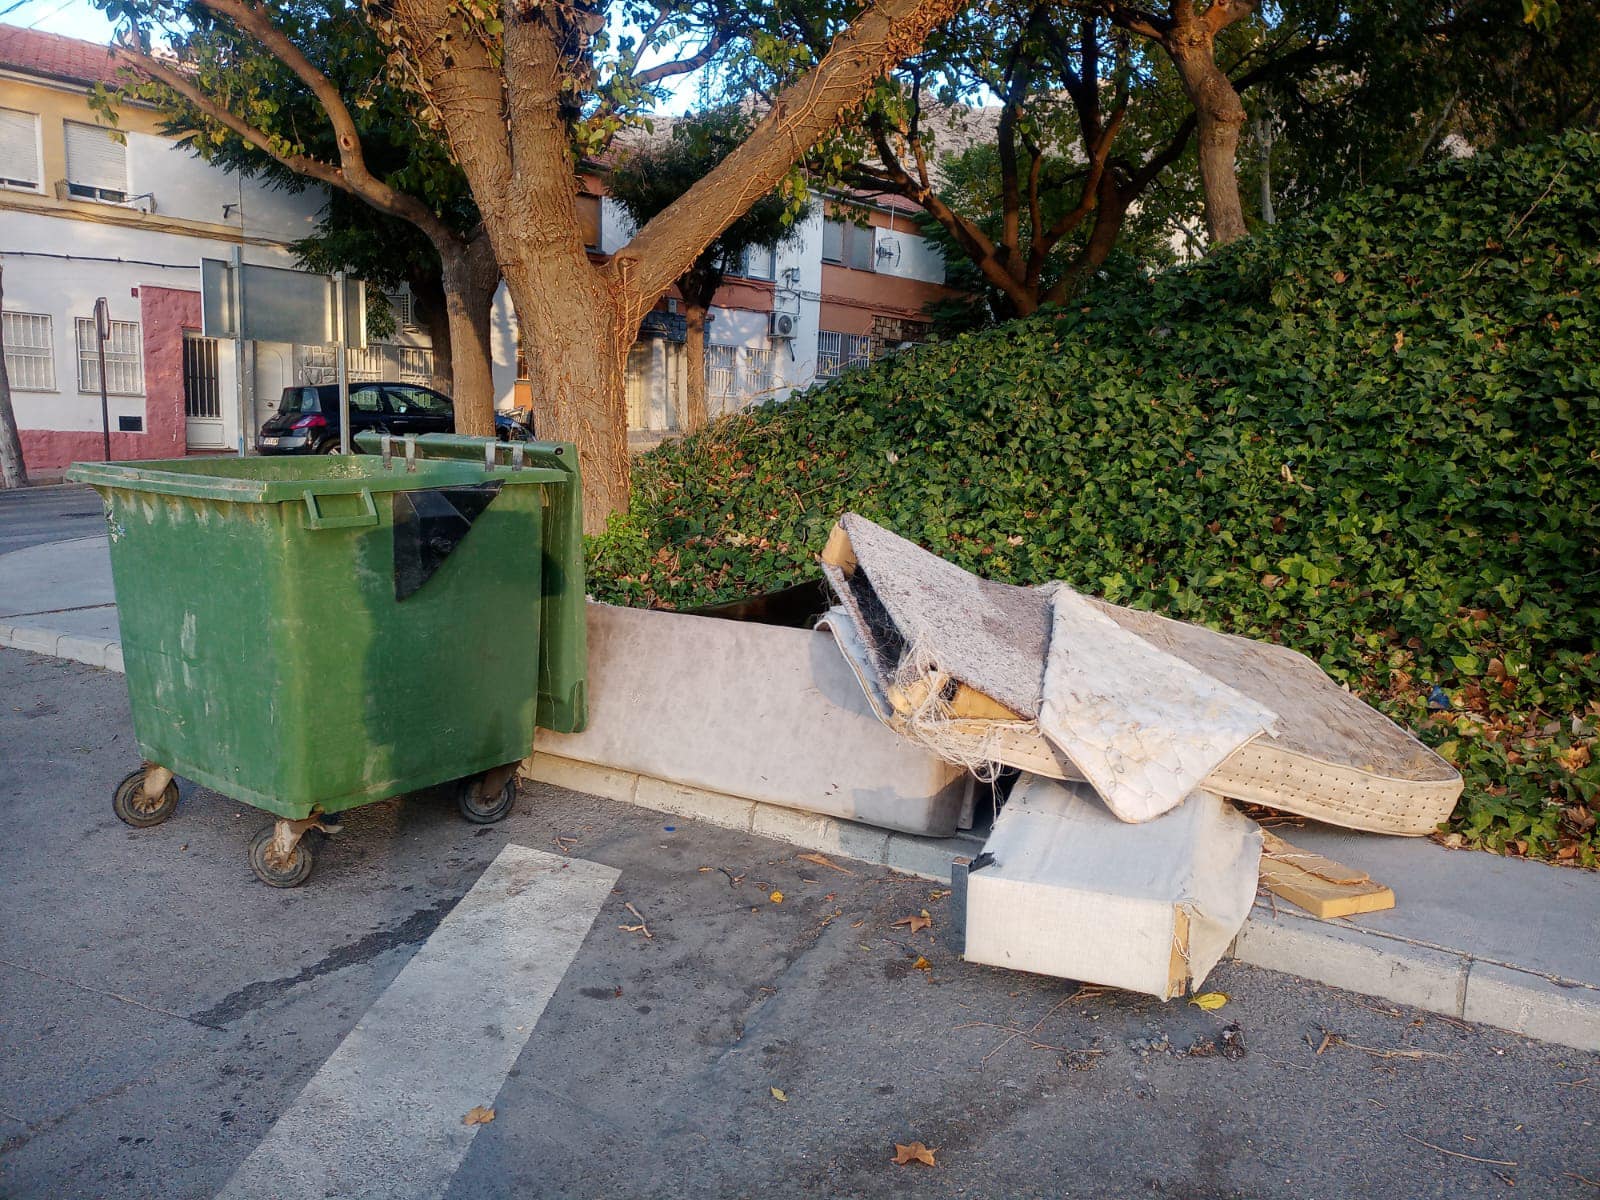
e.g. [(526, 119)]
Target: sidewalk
[(56, 599), (1500, 941)]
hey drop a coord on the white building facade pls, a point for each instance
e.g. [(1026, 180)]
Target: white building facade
[(87, 211)]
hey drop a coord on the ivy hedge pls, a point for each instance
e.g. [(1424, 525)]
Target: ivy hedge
[(1372, 435)]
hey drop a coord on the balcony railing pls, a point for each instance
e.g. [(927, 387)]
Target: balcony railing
[(378, 362)]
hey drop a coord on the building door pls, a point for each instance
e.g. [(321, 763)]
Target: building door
[(202, 392)]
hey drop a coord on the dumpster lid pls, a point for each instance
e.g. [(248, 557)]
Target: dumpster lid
[(285, 479)]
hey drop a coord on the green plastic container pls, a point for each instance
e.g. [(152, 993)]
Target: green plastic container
[(312, 634), (563, 629)]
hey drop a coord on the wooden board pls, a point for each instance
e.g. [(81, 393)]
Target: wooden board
[(1322, 887)]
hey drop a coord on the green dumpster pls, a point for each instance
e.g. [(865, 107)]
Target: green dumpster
[(307, 635)]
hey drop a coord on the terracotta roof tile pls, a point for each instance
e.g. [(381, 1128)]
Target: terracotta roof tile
[(52, 56)]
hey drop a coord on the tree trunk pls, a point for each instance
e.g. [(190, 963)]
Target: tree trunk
[(470, 279), (1219, 115), (13, 471), (695, 414), (429, 294), (1264, 140), (576, 347)]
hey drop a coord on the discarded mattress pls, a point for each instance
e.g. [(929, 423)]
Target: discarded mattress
[(1063, 888), (1144, 707), (756, 711)]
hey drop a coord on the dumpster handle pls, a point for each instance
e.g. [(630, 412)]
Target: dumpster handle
[(315, 519)]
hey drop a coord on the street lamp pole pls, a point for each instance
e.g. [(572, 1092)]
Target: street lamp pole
[(102, 330)]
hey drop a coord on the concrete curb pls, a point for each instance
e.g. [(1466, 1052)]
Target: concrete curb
[(96, 652), (1438, 979)]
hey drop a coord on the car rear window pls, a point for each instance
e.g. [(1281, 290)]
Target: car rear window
[(300, 400)]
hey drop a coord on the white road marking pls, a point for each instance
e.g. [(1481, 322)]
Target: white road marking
[(382, 1118)]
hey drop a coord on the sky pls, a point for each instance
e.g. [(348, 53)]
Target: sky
[(75, 18)]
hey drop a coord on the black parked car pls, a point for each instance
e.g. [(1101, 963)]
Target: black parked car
[(307, 421)]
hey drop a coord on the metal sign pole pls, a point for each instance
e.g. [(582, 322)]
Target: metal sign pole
[(344, 369), (242, 367), (102, 330)]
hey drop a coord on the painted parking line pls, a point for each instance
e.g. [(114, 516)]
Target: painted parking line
[(382, 1118)]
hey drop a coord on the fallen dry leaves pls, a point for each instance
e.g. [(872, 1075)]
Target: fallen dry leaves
[(478, 1116), (641, 927), (1209, 1001), (915, 1152), (921, 921), (779, 1094), (822, 860)]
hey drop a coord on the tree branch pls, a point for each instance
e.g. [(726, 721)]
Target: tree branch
[(682, 66), (252, 19), (1222, 13), (1136, 20), (453, 69), (880, 37), (363, 184)]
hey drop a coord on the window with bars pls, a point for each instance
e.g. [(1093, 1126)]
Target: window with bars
[(737, 375), (376, 362), (124, 362), (838, 352), (30, 351), (400, 303), (760, 370), (19, 150), (202, 383), (722, 372), (97, 163)]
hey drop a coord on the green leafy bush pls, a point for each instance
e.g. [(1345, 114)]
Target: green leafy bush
[(1370, 435)]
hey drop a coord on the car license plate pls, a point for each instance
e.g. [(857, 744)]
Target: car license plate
[(269, 441)]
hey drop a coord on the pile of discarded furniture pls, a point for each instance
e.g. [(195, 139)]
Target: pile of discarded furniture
[(1120, 856)]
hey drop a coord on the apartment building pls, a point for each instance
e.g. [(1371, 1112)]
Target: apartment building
[(852, 282)]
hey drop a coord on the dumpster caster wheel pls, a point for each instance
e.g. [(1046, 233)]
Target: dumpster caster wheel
[(146, 797), (483, 807), (275, 866)]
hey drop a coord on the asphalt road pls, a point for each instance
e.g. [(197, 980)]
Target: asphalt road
[(30, 516), (161, 1012)]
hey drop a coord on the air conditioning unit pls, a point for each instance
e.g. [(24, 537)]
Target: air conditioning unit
[(784, 325)]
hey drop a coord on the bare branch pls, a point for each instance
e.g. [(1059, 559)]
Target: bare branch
[(255, 21), (682, 66)]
